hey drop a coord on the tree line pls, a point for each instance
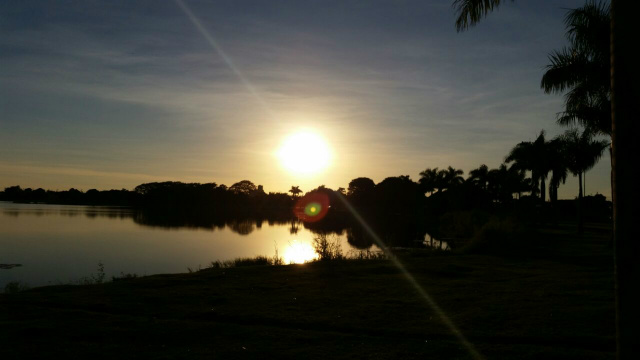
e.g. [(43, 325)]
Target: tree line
[(580, 71), (598, 75)]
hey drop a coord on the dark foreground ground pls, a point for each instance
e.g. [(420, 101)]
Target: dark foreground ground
[(553, 301)]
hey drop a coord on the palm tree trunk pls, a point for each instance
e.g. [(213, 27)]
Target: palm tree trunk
[(580, 222), (625, 107)]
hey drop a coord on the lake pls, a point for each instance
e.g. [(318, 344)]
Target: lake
[(62, 244), (59, 244)]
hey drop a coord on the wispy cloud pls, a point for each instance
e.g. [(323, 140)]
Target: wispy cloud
[(134, 85)]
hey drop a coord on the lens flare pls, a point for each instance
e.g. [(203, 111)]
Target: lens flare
[(312, 207)]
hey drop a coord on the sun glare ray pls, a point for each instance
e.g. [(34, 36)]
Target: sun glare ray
[(225, 57), (412, 280)]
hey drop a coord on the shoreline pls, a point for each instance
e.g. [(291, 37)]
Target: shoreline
[(547, 302)]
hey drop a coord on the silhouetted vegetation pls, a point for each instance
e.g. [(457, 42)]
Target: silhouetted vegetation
[(14, 287), (247, 261), (583, 69), (327, 247), (401, 211)]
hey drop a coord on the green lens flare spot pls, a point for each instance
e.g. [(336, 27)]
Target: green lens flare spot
[(312, 209)]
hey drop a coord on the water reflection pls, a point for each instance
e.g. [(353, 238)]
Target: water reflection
[(294, 228), (396, 234), (62, 243), (39, 210), (298, 252), (243, 227)]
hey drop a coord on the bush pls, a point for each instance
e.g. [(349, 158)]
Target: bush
[(123, 276), (461, 224), (327, 247), (14, 287), (498, 236), (97, 278), (367, 255)]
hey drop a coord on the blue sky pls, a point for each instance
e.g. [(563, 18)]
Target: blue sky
[(116, 93)]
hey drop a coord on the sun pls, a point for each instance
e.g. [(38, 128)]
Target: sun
[(304, 153)]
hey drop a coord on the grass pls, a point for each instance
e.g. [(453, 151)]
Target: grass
[(246, 261), (554, 300), (97, 278), (13, 287)]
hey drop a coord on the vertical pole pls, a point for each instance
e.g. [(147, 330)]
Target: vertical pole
[(625, 110)]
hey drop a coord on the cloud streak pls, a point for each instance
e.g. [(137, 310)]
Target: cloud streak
[(394, 87)]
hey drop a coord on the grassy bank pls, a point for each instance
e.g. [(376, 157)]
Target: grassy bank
[(553, 299)]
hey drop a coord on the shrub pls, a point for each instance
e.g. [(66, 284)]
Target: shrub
[(14, 287), (327, 247), (124, 276), (498, 236), (97, 278), (367, 255), (461, 224)]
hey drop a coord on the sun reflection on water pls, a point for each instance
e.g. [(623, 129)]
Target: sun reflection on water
[(299, 253)]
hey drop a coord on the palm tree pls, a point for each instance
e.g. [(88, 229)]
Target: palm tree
[(535, 157), (517, 182), (583, 153), (582, 70), (295, 191), (450, 177), (479, 176), (625, 75), (429, 180), (558, 165), (497, 182), (506, 181)]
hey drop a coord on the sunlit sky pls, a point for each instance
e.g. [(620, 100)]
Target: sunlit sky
[(113, 94)]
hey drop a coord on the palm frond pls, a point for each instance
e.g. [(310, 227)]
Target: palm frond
[(566, 68), (469, 12), (588, 28), (595, 119), (582, 70)]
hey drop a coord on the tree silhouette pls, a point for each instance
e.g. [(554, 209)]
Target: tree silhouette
[(429, 180), (450, 177), (535, 157), (245, 187), (624, 77), (582, 70), (505, 181), (558, 165), (360, 187), (583, 152), (479, 176), (295, 191)]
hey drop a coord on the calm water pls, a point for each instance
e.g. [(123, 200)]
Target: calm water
[(62, 244)]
